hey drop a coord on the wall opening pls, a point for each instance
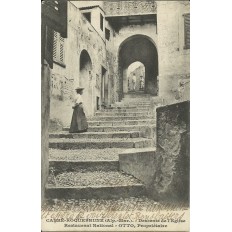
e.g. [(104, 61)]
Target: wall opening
[(142, 49), (101, 21), (88, 16), (85, 81), (104, 87), (97, 103)]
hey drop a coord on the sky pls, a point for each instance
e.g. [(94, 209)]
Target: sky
[(86, 3), (133, 66)]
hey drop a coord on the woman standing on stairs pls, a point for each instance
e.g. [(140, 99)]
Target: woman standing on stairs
[(79, 122)]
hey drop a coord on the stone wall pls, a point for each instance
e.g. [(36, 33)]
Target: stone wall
[(45, 105), (174, 59), (175, 88), (172, 158)]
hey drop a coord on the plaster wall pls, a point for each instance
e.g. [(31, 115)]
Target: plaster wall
[(174, 60), (95, 20)]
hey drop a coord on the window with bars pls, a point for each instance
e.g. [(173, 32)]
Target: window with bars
[(58, 48), (186, 31)]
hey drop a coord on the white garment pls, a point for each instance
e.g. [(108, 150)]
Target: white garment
[(134, 78), (78, 99)]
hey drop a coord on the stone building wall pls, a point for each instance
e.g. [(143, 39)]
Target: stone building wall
[(81, 36), (167, 37), (174, 59)]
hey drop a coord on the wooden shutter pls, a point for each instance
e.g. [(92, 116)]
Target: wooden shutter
[(55, 45), (61, 49), (58, 48), (187, 31)]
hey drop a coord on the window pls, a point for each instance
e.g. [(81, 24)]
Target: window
[(87, 16), (101, 22), (107, 34), (186, 31), (58, 48)]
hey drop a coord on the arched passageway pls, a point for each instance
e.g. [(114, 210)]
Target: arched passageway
[(139, 48), (136, 77), (85, 80)]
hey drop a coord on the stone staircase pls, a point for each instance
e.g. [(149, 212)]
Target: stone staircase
[(86, 165)]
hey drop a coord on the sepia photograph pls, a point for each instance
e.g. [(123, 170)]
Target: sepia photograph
[(115, 115)]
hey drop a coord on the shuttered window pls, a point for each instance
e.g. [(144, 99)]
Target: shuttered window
[(186, 31), (58, 48), (49, 46)]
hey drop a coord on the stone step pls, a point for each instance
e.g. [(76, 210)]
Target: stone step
[(140, 163), (136, 104), (118, 118), (106, 154), (138, 151), (133, 107), (100, 185), (65, 144), (136, 95), (125, 110), (95, 135), (84, 160), (128, 109), (146, 100), (121, 114), (122, 123), (117, 128), (58, 166)]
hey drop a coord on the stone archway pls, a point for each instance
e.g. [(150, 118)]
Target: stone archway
[(139, 48), (85, 81), (136, 69)]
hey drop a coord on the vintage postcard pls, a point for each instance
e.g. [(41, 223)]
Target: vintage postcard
[(115, 115)]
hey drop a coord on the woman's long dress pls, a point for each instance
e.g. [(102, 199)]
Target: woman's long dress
[(79, 121)]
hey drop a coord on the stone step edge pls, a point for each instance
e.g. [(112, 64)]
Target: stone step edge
[(138, 150), (87, 140), (123, 113), (152, 125), (120, 116), (96, 133), (112, 121), (92, 186), (82, 161), (136, 120)]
